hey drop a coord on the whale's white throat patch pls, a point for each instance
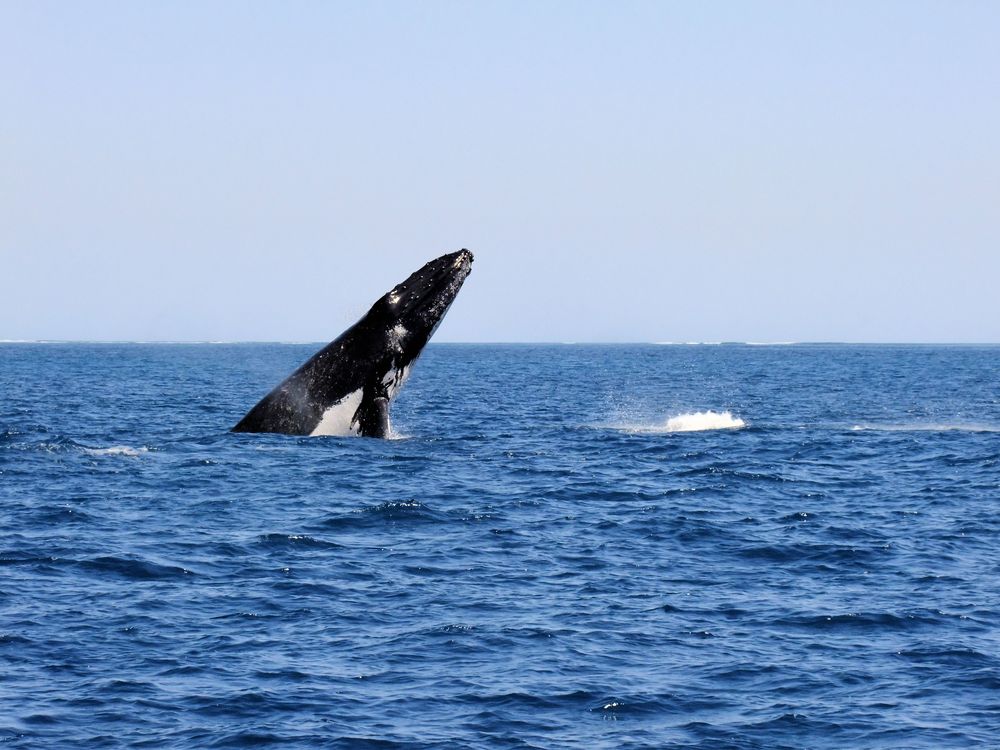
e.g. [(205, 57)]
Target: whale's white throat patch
[(338, 419)]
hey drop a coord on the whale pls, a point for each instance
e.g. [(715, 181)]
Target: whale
[(348, 386)]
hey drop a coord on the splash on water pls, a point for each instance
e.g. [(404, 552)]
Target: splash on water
[(703, 420), (697, 421), (116, 450)]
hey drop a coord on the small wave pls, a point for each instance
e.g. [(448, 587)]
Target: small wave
[(134, 568), (928, 427), (874, 621), (116, 450), (61, 514), (405, 511), (293, 540)]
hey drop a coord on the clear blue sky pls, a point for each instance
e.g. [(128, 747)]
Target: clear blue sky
[(623, 171)]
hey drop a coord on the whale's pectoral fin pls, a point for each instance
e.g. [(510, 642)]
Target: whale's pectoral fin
[(373, 417)]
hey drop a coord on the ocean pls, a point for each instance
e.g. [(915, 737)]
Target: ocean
[(564, 546)]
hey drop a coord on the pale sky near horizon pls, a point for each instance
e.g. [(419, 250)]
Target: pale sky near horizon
[(628, 171)]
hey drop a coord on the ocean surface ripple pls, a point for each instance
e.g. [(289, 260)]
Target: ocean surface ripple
[(566, 547)]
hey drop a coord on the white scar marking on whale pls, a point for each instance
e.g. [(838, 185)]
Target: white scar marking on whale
[(397, 334), (338, 419)]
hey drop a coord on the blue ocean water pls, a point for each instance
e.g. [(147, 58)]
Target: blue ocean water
[(536, 562)]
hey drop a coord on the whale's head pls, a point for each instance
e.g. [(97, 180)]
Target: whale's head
[(412, 310)]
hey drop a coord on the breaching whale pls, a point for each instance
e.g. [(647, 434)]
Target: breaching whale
[(346, 388)]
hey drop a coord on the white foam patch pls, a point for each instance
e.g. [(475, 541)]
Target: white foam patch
[(704, 420), (338, 419), (116, 450), (697, 421)]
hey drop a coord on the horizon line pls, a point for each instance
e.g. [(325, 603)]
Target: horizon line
[(509, 343)]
